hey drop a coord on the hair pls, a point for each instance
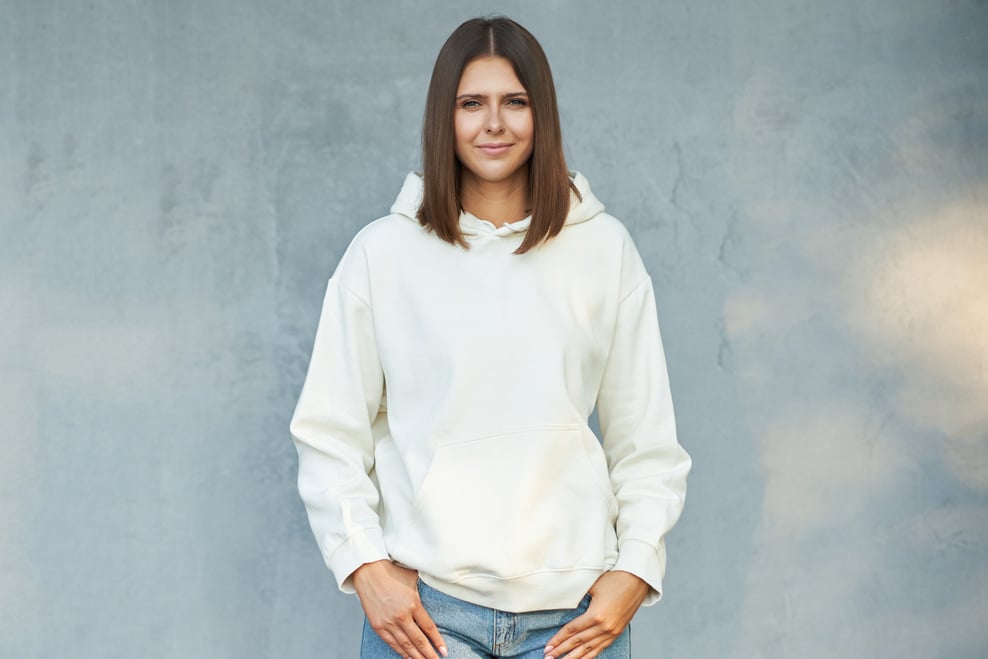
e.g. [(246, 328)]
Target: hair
[(549, 184)]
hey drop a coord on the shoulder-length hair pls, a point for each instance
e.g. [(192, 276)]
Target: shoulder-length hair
[(549, 184)]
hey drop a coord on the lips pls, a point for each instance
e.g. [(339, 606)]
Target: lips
[(494, 149)]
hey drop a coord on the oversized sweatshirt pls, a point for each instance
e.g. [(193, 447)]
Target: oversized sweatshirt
[(443, 421)]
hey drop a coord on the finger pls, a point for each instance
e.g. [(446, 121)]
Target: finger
[(574, 626), (402, 644), (392, 642), (582, 642), (576, 642), (588, 649), (429, 628), (419, 646)]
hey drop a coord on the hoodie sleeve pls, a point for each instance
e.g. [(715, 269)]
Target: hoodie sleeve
[(648, 467), (333, 428)]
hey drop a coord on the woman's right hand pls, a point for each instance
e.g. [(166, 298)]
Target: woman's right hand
[(390, 598)]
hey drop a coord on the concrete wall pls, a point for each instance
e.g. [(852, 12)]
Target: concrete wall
[(807, 181)]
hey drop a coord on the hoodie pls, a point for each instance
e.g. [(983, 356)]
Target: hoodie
[(443, 421)]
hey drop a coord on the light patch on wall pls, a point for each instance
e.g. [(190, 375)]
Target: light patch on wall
[(843, 422), (923, 306), (20, 603), (110, 351), (825, 448), (823, 461), (794, 577), (746, 313), (108, 358)]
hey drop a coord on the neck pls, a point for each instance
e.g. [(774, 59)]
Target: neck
[(498, 201)]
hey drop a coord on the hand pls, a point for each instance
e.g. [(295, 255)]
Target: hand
[(615, 597), (391, 602)]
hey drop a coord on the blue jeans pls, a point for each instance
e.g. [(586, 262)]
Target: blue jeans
[(477, 632)]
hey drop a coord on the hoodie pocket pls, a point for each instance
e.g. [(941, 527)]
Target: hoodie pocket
[(514, 503)]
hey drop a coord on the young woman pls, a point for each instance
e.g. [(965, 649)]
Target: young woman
[(445, 460)]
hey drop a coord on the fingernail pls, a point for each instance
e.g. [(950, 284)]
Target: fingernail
[(443, 651), (547, 650)]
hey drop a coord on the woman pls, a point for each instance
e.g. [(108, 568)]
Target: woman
[(445, 460)]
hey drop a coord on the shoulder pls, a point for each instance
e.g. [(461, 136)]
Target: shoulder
[(612, 228), (606, 235), (376, 240), (617, 246), (383, 232), (382, 229), (588, 211)]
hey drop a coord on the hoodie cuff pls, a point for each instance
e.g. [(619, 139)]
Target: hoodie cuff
[(642, 560), (364, 546)]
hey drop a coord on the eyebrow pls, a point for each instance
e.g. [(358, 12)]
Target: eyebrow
[(508, 95)]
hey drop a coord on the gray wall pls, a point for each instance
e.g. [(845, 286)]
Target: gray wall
[(807, 181)]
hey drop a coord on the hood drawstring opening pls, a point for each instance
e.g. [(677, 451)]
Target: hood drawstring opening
[(410, 198)]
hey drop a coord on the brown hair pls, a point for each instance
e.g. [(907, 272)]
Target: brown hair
[(549, 185)]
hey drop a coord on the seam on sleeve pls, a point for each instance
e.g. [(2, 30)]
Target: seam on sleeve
[(634, 288), (351, 535), (344, 285)]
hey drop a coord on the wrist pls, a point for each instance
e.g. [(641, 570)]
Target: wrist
[(635, 582), (367, 570)]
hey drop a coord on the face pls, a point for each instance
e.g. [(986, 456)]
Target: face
[(493, 123)]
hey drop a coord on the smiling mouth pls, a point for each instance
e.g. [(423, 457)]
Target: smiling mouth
[(495, 148)]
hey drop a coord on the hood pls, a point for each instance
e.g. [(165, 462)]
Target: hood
[(410, 198)]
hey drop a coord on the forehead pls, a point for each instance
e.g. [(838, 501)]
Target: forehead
[(486, 74)]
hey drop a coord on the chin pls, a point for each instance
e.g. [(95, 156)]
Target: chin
[(495, 175)]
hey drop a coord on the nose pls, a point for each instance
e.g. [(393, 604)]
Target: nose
[(494, 125)]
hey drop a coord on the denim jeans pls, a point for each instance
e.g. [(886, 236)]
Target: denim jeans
[(477, 632)]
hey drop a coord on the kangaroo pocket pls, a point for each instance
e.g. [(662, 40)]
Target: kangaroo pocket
[(510, 504)]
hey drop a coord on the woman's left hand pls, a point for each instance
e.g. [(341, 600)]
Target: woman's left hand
[(615, 597)]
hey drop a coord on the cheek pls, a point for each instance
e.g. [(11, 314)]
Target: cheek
[(458, 130), (525, 127), (465, 128)]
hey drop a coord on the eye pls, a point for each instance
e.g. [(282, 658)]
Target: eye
[(470, 103), (518, 102)]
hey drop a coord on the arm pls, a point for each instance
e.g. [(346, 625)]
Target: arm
[(332, 432), (648, 470), (648, 466), (334, 425)]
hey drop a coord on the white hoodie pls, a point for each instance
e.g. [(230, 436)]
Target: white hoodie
[(475, 465)]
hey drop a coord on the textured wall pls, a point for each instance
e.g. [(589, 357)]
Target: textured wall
[(807, 181)]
